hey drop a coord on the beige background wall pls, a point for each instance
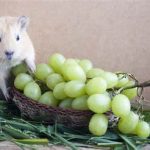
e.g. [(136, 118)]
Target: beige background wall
[(114, 34)]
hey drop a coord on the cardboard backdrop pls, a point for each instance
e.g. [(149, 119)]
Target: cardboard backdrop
[(114, 34)]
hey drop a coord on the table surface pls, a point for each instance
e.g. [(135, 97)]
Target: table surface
[(10, 146)]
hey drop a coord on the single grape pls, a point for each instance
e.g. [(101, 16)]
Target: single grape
[(48, 99), (74, 88), (42, 71), (59, 92), (111, 79), (143, 129), (21, 68), (53, 79), (32, 90), (80, 103), (122, 80), (86, 65), (129, 83), (107, 94), (130, 93), (65, 103), (128, 123), (121, 105), (96, 85), (56, 61), (99, 103), (98, 124), (67, 62), (77, 60), (94, 72), (22, 80), (133, 132), (70, 61), (72, 71)]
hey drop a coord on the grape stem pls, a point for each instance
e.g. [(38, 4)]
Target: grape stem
[(139, 85)]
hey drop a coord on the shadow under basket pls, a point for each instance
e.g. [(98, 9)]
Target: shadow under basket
[(35, 111)]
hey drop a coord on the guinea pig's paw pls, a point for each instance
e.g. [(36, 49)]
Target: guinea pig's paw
[(32, 68), (7, 96), (31, 65)]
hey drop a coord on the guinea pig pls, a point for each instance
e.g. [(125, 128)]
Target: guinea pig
[(15, 47)]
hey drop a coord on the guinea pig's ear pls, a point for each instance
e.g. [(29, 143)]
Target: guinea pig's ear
[(23, 22)]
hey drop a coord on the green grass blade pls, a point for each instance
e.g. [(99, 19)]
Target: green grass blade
[(128, 141), (109, 144), (64, 141), (18, 125), (14, 132), (99, 139), (33, 141)]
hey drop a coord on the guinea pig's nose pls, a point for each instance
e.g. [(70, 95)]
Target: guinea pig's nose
[(9, 54)]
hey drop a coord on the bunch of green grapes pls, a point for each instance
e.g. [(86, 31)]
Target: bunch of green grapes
[(76, 84)]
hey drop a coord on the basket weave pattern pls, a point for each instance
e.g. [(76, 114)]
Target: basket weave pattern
[(47, 114)]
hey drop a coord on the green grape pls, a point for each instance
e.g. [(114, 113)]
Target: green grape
[(130, 93), (111, 79), (71, 61), (96, 85), (86, 65), (128, 123), (122, 80), (42, 71), (121, 105), (32, 90), (48, 99), (59, 91), (56, 61), (80, 103), (107, 94), (22, 80), (72, 71), (129, 83), (77, 60), (65, 103), (98, 124), (133, 132), (53, 79), (94, 72), (143, 129), (74, 88), (99, 103), (67, 62), (21, 68)]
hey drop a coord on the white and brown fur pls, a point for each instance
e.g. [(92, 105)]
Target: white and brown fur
[(14, 38)]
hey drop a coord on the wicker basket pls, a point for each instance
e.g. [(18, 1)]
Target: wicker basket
[(46, 114)]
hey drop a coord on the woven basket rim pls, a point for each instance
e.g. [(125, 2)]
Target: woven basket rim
[(34, 110), (34, 102)]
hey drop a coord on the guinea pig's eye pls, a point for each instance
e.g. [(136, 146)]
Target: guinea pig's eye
[(17, 38)]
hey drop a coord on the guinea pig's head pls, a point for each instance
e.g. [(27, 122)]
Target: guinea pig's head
[(12, 37)]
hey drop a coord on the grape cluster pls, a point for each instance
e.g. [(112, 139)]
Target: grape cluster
[(76, 84)]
